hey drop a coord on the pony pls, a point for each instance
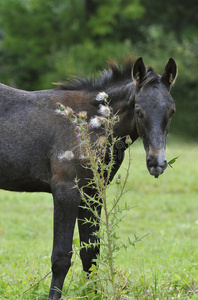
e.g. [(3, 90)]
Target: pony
[(39, 147)]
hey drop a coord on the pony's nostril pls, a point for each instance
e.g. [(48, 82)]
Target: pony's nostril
[(164, 165), (151, 163)]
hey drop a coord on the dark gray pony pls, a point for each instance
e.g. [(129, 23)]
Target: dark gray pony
[(39, 148)]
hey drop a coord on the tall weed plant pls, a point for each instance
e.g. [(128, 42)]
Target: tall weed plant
[(106, 281)]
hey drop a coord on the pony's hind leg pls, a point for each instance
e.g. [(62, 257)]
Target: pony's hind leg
[(88, 224), (66, 202)]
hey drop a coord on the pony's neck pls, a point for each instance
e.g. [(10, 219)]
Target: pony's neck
[(122, 100)]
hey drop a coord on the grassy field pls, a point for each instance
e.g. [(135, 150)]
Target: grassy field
[(164, 265)]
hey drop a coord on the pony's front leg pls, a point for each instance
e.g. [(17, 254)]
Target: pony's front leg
[(66, 203), (88, 224)]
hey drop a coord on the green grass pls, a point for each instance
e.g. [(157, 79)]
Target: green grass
[(164, 265)]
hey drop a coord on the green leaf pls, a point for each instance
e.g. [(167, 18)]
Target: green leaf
[(172, 161)]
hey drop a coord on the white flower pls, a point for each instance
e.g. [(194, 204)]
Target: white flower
[(104, 110), (96, 122), (65, 111), (68, 155), (60, 112), (102, 96)]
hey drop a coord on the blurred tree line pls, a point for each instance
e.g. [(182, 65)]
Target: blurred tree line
[(46, 41)]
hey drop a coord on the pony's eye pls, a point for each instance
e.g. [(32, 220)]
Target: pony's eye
[(172, 112), (138, 112)]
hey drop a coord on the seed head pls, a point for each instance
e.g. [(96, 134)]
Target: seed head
[(118, 179), (82, 115), (69, 111), (60, 106), (68, 155), (104, 110), (101, 141), (102, 96), (96, 122), (128, 140)]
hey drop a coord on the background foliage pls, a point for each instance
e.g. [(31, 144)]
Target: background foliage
[(46, 41)]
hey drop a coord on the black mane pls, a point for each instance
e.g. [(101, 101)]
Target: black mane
[(114, 74)]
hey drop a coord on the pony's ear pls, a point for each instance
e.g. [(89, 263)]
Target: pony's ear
[(170, 73), (139, 71)]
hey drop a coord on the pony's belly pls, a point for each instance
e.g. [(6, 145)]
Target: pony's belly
[(25, 186)]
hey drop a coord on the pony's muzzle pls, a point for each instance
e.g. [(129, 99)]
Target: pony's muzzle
[(156, 163)]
